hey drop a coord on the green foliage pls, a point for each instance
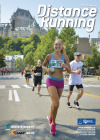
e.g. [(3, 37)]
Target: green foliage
[(14, 53), (35, 38), (88, 61), (69, 39), (35, 47), (94, 59), (46, 45), (29, 59), (19, 64), (28, 48), (2, 58)]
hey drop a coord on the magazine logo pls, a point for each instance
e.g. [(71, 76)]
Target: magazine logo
[(17, 132), (8, 126), (86, 121)]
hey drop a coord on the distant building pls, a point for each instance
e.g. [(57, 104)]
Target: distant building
[(84, 47), (23, 25), (10, 61)]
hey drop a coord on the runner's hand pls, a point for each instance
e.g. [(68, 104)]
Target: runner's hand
[(49, 70), (63, 65), (78, 71)]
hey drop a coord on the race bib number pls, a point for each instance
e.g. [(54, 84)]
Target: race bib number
[(28, 72), (38, 74), (56, 63)]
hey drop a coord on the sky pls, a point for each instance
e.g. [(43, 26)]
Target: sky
[(8, 7)]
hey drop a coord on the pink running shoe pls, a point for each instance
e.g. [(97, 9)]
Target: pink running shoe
[(49, 119), (53, 129)]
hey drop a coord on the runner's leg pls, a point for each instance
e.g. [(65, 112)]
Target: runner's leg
[(55, 102), (80, 94)]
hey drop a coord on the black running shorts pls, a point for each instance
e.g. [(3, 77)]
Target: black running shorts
[(72, 86), (27, 76), (37, 81)]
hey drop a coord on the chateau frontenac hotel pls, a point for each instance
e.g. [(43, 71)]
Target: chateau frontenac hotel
[(24, 25)]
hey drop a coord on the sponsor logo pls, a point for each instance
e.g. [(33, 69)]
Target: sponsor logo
[(8, 126), (17, 132), (86, 121)]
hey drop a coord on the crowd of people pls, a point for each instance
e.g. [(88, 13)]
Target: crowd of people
[(58, 62)]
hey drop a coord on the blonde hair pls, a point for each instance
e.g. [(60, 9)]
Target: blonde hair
[(63, 47)]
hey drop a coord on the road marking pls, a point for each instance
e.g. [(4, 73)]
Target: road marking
[(91, 85), (15, 86), (2, 86), (10, 95), (16, 96), (43, 85), (92, 95), (27, 86)]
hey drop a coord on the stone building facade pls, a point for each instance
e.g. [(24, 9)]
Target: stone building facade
[(24, 25)]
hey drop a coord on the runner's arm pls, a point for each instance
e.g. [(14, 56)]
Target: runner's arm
[(34, 68), (46, 61), (24, 70)]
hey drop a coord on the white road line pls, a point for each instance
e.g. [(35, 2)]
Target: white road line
[(15, 86), (10, 95), (16, 96), (43, 85), (27, 86), (91, 85), (2, 86)]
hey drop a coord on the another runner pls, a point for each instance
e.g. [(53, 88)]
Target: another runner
[(37, 71), (75, 79), (55, 82), (27, 72)]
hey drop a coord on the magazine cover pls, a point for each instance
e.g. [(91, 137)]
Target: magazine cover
[(49, 70)]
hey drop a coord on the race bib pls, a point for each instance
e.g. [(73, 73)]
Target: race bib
[(27, 72), (56, 63), (38, 74)]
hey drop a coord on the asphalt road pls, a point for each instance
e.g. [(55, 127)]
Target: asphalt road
[(22, 111)]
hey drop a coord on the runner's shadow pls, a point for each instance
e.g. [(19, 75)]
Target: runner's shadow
[(86, 109), (92, 110), (45, 95)]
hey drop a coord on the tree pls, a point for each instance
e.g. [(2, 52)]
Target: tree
[(69, 38), (28, 48), (29, 59), (94, 59), (19, 64), (88, 61), (14, 53), (2, 58), (35, 39), (46, 45)]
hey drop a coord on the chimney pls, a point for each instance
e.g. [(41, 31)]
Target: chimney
[(89, 39)]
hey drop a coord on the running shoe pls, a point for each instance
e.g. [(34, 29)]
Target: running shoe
[(68, 105), (53, 129), (49, 119), (76, 104), (33, 89), (39, 94)]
